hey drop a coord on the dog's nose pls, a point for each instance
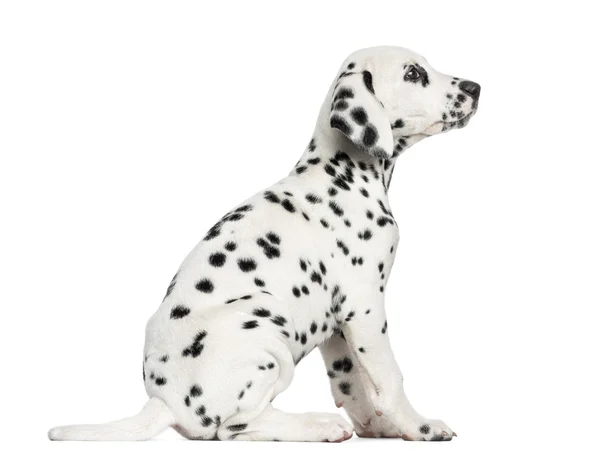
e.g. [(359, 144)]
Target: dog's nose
[(470, 88)]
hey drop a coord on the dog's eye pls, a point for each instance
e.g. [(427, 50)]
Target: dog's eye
[(412, 74)]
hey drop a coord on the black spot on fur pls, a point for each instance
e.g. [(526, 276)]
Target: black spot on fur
[(398, 123), (273, 238), (368, 80), (196, 391), (213, 232), (329, 169), (382, 221), (322, 268), (233, 217), (359, 115), (272, 197), (313, 198), (340, 124), (315, 277), (171, 286), (179, 312), (238, 427), (340, 105), (286, 204), (217, 259), (205, 285), (196, 348), (278, 320), (424, 429), (246, 264), (250, 324), (343, 247), (244, 208), (345, 387), (339, 182), (343, 156), (335, 208), (269, 250), (260, 283), (370, 136), (365, 235), (344, 93), (345, 364), (261, 312), (230, 246)]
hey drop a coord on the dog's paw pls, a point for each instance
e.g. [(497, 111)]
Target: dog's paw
[(330, 427), (427, 430), (375, 427), (423, 430)]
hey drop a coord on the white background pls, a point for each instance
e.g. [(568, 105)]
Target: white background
[(128, 128)]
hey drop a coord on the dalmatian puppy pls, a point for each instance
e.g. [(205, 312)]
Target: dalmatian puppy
[(302, 264)]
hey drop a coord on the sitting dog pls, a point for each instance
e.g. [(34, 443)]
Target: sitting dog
[(303, 264)]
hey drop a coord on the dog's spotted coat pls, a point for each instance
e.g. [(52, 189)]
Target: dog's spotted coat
[(302, 264)]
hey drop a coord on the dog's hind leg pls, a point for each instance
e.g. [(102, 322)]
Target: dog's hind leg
[(275, 425), (266, 362)]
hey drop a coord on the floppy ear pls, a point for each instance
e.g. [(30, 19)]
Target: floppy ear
[(358, 114)]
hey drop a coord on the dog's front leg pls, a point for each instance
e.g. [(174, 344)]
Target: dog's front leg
[(367, 381)]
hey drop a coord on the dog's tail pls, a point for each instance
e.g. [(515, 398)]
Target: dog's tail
[(151, 420)]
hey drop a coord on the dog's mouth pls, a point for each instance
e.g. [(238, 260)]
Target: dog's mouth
[(450, 124)]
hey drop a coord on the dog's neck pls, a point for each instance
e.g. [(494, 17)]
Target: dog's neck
[(328, 145)]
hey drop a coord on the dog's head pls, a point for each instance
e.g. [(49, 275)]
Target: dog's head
[(385, 94)]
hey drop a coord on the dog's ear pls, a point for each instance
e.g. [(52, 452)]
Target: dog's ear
[(360, 116)]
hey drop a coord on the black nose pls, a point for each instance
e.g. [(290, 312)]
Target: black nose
[(470, 88)]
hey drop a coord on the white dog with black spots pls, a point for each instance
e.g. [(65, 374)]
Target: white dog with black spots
[(303, 264)]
